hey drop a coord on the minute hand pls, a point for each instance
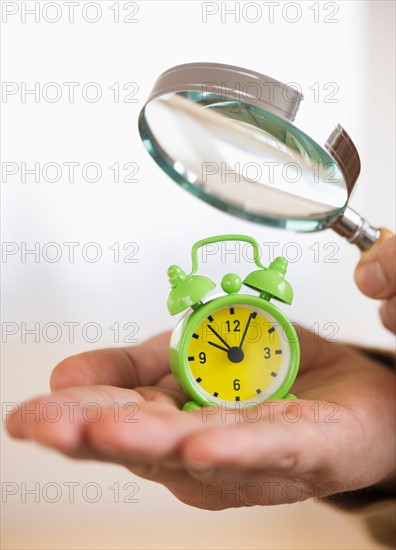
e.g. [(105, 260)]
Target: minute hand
[(246, 329)]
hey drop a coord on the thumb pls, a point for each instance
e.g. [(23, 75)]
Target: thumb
[(375, 274)]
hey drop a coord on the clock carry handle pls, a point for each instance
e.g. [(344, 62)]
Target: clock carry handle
[(189, 290), (224, 238), (269, 282)]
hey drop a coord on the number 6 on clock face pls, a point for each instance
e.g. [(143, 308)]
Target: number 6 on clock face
[(236, 349)]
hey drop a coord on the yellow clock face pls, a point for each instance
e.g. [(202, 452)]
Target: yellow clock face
[(238, 354)]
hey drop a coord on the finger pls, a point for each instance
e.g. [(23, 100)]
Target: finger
[(186, 488), (58, 420), (300, 449), (155, 471), (155, 434), (388, 314), (141, 365), (276, 446), (375, 274)]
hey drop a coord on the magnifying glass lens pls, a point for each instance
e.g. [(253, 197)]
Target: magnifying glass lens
[(243, 159)]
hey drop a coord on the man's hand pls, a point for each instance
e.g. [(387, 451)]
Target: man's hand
[(338, 436), (375, 276)]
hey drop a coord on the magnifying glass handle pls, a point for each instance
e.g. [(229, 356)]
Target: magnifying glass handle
[(356, 229)]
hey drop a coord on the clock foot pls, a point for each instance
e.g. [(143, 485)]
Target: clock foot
[(290, 396), (191, 406)]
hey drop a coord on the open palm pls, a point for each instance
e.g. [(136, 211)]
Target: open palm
[(123, 406)]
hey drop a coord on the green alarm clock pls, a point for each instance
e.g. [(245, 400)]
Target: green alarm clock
[(234, 350)]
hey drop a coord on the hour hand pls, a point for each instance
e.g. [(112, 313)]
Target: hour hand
[(219, 337), (219, 347)]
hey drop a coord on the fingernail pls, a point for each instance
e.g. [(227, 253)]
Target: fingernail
[(204, 472), (370, 278), (286, 463), (199, 465)]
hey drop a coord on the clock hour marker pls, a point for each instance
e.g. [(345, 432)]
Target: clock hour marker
[(232, 311), (210, 319), (198, 380), (237, 398), (278, 352), (215, 394), (258, 390), (195, 336), (274, 374), (191, 358), (271, 330)]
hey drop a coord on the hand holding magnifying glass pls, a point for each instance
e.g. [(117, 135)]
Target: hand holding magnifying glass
[(375, 276)]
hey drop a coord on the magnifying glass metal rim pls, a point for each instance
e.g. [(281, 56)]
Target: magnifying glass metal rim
[(278, 99)]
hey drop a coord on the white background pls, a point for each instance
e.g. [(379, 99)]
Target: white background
[(355, 53)]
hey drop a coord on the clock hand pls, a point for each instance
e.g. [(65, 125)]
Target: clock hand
[(217, 346), (219, 337), (246, 329)]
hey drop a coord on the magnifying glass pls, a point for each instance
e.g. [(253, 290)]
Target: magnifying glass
[(228, 136)]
